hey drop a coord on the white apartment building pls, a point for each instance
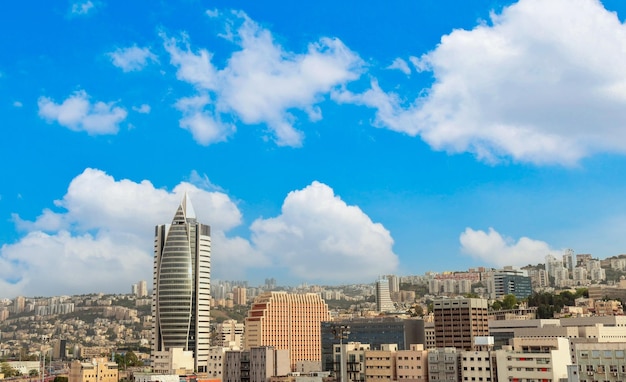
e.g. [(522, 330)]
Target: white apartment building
[(538, 359)]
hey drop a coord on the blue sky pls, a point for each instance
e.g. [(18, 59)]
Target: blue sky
[(326, 142)]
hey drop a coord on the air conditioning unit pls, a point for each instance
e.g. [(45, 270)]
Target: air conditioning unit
[(615, 374)]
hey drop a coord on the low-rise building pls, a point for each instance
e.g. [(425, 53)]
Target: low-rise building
[(538, 359), (97, 370), (174, 361)]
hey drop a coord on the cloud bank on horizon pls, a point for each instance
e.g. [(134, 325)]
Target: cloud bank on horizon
[(103, 226)]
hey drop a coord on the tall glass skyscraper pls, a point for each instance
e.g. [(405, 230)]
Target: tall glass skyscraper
[(182, 285)]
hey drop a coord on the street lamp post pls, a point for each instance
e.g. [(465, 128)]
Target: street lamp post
[(341, 332), (44, 341)]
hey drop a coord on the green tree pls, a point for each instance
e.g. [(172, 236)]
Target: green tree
[(509, 302), (416, 310), (33, 372), (581, 292), (132, 359), (127, 359), (60, 379), (8, 371)]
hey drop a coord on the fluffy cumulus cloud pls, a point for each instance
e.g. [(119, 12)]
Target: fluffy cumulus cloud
[(132, 58), (205, 125), (543, 83), (492, 248), (318, 236), (261, 82), (103, 227), (78, 113)]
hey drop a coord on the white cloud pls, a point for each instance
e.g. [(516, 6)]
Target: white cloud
[(318, 236), (17, 104), (204, 125), (544, 83), (103, 226), (106, 226), (262, 82), (491, 248), (82, 8), (78, 114), (143, 109), (400, 65), (132, 58)]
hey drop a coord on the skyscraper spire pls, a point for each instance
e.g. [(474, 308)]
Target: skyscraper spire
[(188, 207)]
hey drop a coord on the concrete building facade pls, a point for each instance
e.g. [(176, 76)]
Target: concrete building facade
[(374, 331), (600, 362), (98, 370), (459, 320), (538, 359), (230, 334), (288, 321), (257, 364), (383, 296)]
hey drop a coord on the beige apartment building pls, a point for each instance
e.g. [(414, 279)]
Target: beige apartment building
[(240, 296), (288, 321), (459, 320), (380, 365), (349, 361), (385, 364), (412, 364), (443, 365), (430, 339), (98, 370), (230, 334), (477, 365), (257, 364), (599, 362)]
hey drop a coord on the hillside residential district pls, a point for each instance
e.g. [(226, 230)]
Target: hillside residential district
[(558, 321)]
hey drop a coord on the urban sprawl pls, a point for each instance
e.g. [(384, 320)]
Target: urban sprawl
[(562, 320)]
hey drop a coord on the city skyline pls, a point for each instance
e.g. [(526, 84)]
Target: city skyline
[(323, 143)]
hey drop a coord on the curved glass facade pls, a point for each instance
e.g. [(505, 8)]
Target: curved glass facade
[(181, 296)]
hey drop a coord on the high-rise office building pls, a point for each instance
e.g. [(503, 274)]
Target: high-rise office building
[(181, 290), (459, 320), (288, 321), (511, 281), (383, 297)]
